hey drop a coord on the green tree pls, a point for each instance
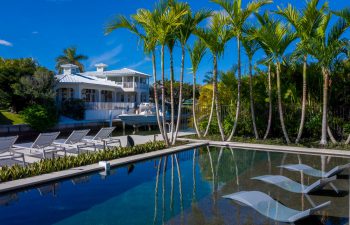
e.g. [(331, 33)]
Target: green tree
[(215, 38), (237, 16), (326, 46), (306, 23), (70, 56), (196, 55)]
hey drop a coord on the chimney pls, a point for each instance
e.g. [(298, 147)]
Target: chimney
[(101, 67), (70, 69)]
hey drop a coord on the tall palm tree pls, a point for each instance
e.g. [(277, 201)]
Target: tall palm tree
[(196, 55), (215, 38), (237, 16), (185, 30), (142, 26), (274, 37), (326, 46), (305, 23), (251, 47), (70, 56)]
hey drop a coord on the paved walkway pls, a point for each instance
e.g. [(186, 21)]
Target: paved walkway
[(31, 157)]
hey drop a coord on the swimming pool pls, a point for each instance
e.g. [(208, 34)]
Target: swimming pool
[(184, 188)]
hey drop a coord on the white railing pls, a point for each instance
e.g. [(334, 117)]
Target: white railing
[(129, 85), (133, 85), (109, 105)]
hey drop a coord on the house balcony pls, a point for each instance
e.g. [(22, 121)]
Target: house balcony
[(132, 86), (109, 105)]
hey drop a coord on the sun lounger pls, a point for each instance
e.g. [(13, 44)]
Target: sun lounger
[(44, 144), (292, 186), (7, 150), (103, 136), (315, 172), (271, 208), (75, 140)]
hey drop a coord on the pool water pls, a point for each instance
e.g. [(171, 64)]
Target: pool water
[(184, 188)]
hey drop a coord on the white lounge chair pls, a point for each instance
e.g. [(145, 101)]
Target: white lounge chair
[(271, 208), (292, 186), (7, 150), (315, 172), (44, 144), (104, 137), (75, 140)]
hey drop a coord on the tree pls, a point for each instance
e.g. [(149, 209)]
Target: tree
[(326, 46), (305, 23), (215, 38), (274, 37), (251, 47), (70, 56), (237, 16), (196, 55)]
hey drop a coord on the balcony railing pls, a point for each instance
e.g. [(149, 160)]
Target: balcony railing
[(133, 85), (109, 105)]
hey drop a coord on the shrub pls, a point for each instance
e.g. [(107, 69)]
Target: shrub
[(40, 117), (63, 163), (74, 108)]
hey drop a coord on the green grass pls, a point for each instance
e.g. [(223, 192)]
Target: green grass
[(306, 143), (8, 118)]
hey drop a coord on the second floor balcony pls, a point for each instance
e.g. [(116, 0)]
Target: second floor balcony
[(133, 85)]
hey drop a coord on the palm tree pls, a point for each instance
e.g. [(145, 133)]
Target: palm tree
[(305, 23), (251, 47), (326, 46), (70, 56), (237, 16), (196, 55), (185, 30), (145, 21), (215, 38), (274, 37)]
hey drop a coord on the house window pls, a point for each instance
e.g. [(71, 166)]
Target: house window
[(63, 94), (106, 96), (89, 95), (122, 98)]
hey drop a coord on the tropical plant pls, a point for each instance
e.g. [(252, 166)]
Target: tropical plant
[(40, 117), (305, 23), (196, 55), (215, 37), (236, 17), (70, 56), (326, 46), (274, 37)]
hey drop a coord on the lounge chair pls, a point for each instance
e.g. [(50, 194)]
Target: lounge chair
[(44, 144), (271, 208), (103, 136), (75, 140), (292, 186), (7, 150), (315, 172)]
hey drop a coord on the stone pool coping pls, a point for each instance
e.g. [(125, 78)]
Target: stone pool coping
[(55, 176)]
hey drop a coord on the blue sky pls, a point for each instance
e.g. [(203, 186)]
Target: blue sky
[(43, 28)]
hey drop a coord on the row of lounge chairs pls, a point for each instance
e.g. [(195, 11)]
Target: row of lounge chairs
[(47, 143), (269, 207)]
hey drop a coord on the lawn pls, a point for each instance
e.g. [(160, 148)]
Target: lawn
[(8, 118)]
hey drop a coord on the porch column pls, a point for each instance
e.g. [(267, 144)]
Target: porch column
[(133, 81)]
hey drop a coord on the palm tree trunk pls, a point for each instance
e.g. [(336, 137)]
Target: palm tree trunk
[(194, 105), (211, 112), (280, 110), (180, 91), (238, 89), (325, 104), (163, 99), (156, 94), (156, 192), (215, 89), (303, 104), (331, 137), (347, 140), (252, 111), (172, 125), (270, 103)]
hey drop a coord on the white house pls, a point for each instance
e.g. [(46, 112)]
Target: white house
[(104, 91)]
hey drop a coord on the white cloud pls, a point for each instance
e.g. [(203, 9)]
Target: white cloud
[(108, 58), (140, 63), (35, 32), (6, 43)]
